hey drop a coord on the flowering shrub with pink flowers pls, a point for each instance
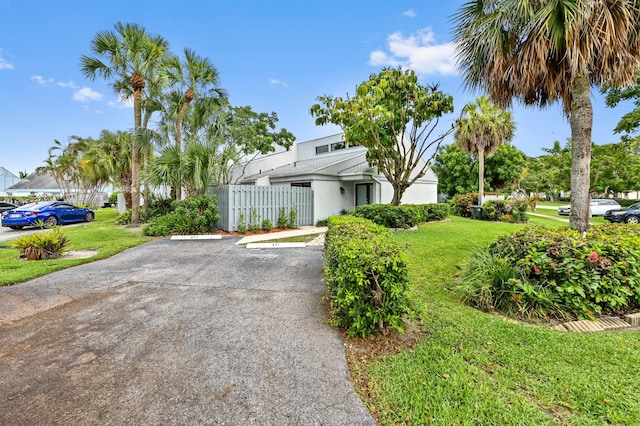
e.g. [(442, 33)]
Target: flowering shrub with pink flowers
[(545, 272)]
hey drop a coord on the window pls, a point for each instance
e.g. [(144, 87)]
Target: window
[(301, 184), (337, 145), (322, 149)]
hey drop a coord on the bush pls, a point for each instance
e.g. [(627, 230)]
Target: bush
[(42, 245), (282, 218), (625, 203), (267, 225), (542, 272), (293, 215), (513, 211), (113, 198), (254, 226), (367, 276), (195, 215), (462, 204), (403, 216)]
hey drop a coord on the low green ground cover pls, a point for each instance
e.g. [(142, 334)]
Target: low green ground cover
[(477, 368), (102, 235)]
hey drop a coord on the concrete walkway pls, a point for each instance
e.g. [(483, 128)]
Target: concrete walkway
[(303, 230), (176, 333)]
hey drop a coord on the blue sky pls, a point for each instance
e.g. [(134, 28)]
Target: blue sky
[(274, 56)]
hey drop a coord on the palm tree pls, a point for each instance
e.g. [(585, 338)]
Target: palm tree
[(541, 51), (132, 57), (113, 153), (481, 130), (194, 77)]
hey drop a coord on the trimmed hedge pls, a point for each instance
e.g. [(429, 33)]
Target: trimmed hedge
[(367, 276), (195, 215), (403, 216)]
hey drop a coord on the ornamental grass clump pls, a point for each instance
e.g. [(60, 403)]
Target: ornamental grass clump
[(42, 245), (367, 276), (558, 273)]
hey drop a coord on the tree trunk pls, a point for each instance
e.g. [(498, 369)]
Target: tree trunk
[(136, 160), (181, 115), (480, 175), (581, 119)]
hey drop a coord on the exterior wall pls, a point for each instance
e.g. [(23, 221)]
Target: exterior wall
[(264, 163), (329, 200), (7, 179), (307, 149)]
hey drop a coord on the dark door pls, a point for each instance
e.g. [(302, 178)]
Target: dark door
[(363, 193)]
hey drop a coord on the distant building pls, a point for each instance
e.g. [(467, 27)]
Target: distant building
[(6, 180), (35, 184)]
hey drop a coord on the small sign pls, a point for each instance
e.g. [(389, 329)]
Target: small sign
[(196, 237), (276, 245)]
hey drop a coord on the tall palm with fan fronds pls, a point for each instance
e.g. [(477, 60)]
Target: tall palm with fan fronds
[(482, 129), (127, 57), (542, 51)]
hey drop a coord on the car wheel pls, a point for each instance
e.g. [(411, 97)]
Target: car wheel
[(89, 216), (632, 219), (16, 227), (51, 221)]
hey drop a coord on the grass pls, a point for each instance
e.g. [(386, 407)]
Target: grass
[(477, 368), (101, 235)]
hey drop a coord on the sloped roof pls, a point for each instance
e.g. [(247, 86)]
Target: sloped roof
[(311, 166), (36, 182)]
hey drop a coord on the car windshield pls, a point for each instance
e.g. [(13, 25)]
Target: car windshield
[(635, 206)]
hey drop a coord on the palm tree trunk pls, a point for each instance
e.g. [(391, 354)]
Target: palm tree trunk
[(181, 115), (136, 160), (480, 174), (581, 120)]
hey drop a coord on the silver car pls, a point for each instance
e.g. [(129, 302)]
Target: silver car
[(597, 207)]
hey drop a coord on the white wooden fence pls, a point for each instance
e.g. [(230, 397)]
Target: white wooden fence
[(266, 201)]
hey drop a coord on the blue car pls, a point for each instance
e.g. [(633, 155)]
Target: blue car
[(630, 214), (51, 213)]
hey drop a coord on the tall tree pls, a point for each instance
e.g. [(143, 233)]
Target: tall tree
[(113, 153), (131, 56), (194, 76), (482, 129), (395, 117), (540, 51)]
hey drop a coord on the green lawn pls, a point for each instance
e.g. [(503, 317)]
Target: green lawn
[(475, 368), (101, 235)]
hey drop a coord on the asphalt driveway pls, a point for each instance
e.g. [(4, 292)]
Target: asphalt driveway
[(176, 333)]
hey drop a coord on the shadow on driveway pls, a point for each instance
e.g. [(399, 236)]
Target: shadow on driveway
[(176, 332)]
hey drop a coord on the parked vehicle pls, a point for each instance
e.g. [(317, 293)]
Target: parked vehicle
[(629, 214), (6, 206), (597, 207), (51, 213)]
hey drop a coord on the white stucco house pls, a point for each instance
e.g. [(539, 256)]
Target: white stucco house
[(7, 179), (339, 176)]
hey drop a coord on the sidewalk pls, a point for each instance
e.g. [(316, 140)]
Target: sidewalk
[(303, 230)]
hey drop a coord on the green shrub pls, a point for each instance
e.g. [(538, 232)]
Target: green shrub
[(403, 216), (462, 204), (367, 276), (282, 218), (113, 198), (513, 211), (293, 215), (322, 222), (544, 272), (195, 215), (267, 225), (42, 245), (625, 203), (242, 224), (254, 226)]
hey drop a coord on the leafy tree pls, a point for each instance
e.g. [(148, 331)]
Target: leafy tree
[(394, 117), (132, 56), (482, 128), (505, 168), (547, 50), (551, 173), (614, 168), (193, 77), (112, 152), (630, 122), (456, 170)]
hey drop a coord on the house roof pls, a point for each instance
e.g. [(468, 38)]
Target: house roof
[(317, 165), (36, 183)]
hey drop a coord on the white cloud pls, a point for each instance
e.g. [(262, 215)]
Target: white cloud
[(275, 82), (410, 13), (42, 81), (419, 51), (4, 64), (86, 94), (68, 84)]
